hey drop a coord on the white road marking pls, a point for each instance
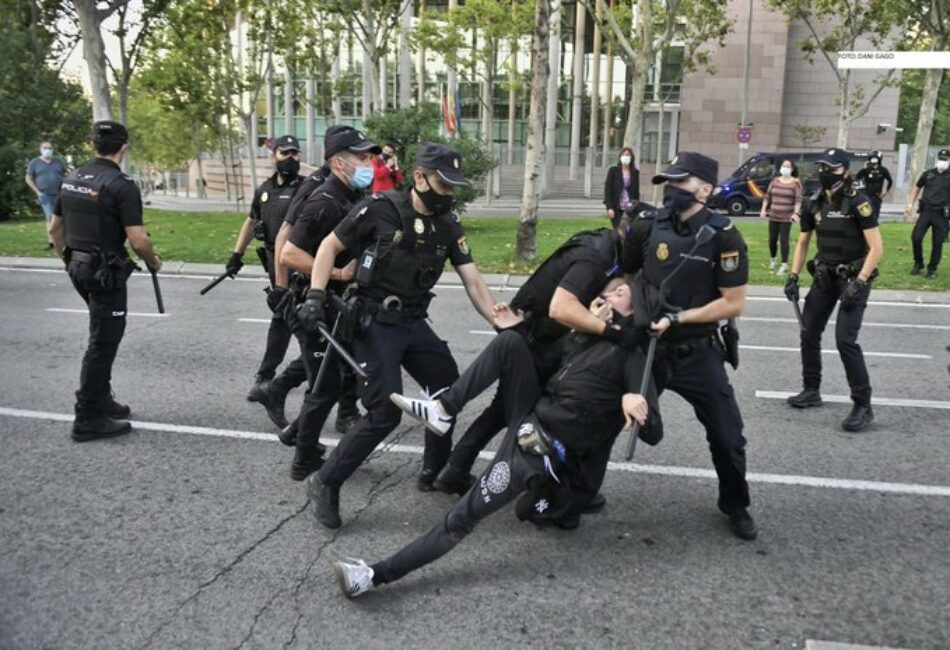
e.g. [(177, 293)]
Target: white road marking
[(254, 320), (762, 319), (877, 303), (876, 401), (63, 310), (768, 348), (656, 470)]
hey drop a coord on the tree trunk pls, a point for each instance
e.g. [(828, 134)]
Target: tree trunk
[(512, 99), (925, 122), (94, 53), (594, 95), (609, 99), (405, 59), (487, 99), (577, 103), (526, 247), (641, 68), (553, 85), (421, 62), (251, 146), (844, 112)]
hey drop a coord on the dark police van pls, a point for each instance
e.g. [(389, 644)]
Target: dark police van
[(745, 188)]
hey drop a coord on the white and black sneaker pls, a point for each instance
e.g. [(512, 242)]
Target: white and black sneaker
[(355, 577), (429, 412)]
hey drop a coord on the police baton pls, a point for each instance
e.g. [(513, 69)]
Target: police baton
[(323, 364), (158, 290), (798, 314), (342, 351), (644, 387), (218, 280)]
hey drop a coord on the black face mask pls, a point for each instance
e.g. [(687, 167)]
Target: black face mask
[(678, 200), (288, 166), (829, 179), (435, 202)]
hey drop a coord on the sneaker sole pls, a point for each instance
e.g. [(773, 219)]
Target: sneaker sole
[(405, 408)]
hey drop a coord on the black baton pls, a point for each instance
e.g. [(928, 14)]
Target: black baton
[(798, 315), (158, 291), (344, 353), (644, 387), (218, 280), (323, 364)]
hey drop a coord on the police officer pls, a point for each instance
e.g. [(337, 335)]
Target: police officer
[(99, 207), (697, 265), (849, 250), (270, 204), (402, 241), (350, 159), (873, 176), (554, 301), (934, 213)]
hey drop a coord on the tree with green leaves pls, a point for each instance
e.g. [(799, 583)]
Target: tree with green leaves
[(835, 26), (646, 28)]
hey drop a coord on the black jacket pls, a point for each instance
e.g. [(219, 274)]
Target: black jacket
[(614, 186)]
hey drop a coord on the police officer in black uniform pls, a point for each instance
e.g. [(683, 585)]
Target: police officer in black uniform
[(99, 207), (873, 177), (350, 160), (849, 250), (270, 204), (706, 261), (402, 241), (554, 301), (934, 213)]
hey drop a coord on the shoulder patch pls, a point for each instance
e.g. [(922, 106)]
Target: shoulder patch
[(362, 212), (729, 261), (463, 245), (865, 209)]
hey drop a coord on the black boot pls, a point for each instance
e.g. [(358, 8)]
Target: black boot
[(426, 480), (453, 481), (859, 418), (273, 397), (288, 435), (595, 505), (254, 395), (917, 269), (306, 462), (115, 410), (805, 399), (86, 429), (741, 522), (325, 500)]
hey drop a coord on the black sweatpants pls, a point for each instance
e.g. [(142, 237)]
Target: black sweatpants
[(819, 303), (778, 234), (107, 315), (697, 374), (383, 350), (317, 404), (546, 356), (933, 219)]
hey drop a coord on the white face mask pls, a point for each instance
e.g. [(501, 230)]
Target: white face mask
[(786, 171), (625, 160), (942, 165)]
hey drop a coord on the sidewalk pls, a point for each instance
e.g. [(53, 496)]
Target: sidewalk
[(500, 280)]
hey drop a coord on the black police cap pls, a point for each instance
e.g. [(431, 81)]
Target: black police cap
[(286, 143), (107, 131), (446, 162), (835, 157), (690, 163), (345, 138), (943, 154)]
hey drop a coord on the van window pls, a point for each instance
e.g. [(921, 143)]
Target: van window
[(763, 168)]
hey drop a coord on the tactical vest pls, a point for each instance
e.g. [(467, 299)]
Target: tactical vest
[(840, 237), (410, 260), (534, 297), (873, 180), (694, 285), (84, 215), (936, 188), (274, 204)]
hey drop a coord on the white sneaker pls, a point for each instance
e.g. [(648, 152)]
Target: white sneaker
[(772, 264), (427, 411), (782, 270), (355, 577)]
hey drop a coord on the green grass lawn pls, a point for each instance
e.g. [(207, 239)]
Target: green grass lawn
[(208, 237)]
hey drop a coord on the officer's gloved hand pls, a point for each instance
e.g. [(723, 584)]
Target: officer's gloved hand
[(854, 294), (276, 296), (234, 264), (312, 313), (791, 287)]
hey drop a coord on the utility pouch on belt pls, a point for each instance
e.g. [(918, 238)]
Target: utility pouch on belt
[(730, 341), (535, 441)]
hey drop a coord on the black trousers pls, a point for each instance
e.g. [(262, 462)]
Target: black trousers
[(778, 234), (819, 303), (545, 357), (107, 316), (933, 219), (383, 350), (279, 336), (698, 375)]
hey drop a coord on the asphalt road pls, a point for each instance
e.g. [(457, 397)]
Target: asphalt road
[(188, 533)]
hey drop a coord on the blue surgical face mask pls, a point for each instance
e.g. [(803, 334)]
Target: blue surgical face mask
[(362, 177), (786, 171), (47, 152)]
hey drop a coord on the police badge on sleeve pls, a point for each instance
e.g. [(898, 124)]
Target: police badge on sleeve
[(463, 245), (729, 262), (865, 209)]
